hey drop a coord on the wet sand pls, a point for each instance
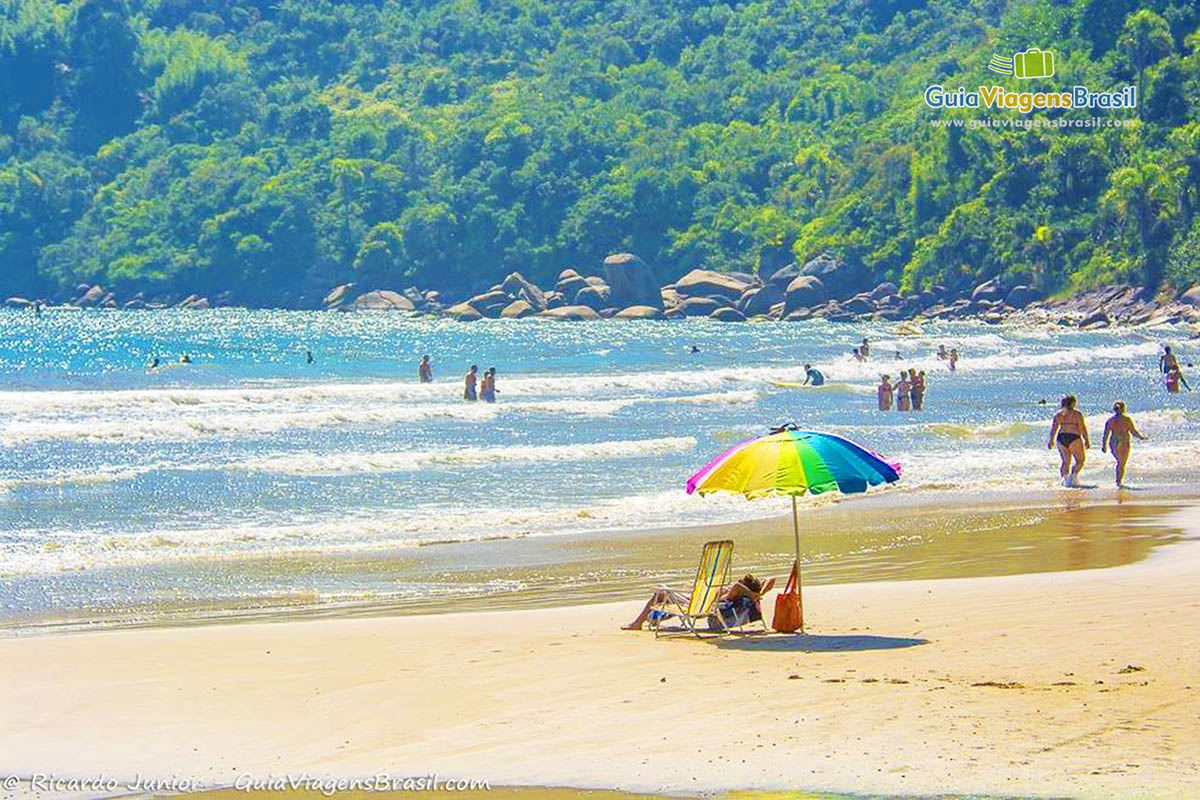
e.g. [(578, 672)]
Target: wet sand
[(1080, 683)]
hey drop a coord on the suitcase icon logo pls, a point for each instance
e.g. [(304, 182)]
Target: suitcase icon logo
[(1032, 63)]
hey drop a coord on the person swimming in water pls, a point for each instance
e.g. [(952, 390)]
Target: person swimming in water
[(154, 362), (1069, 433), (487, 389), (469, 384), (813, 376), (918, 389), (185, 359), (903, 388), (425, 370), (865, 349), (1117, 433), (884, 393), (694, 350), (308, 356), (857, 355)]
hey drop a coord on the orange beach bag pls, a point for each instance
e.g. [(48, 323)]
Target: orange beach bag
[(789, 615)]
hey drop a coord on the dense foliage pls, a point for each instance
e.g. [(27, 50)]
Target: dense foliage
[(274, 149)]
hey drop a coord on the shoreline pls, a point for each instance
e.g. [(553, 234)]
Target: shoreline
[(622, 562), (917, 687)]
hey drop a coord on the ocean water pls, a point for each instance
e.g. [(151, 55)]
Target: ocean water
[(189, 485)]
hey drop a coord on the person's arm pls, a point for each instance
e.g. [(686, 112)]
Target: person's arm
[(1133, 429), (1087, 440), (1183, 380), (807, 377), (1107, 432), (1053, 431)]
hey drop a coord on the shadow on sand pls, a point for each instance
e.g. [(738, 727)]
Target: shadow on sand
[(809, 643)]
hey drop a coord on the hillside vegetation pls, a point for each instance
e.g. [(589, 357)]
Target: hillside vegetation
[(275, 148)]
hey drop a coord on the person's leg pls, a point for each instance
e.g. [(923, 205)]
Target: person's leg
[(636, 625), (1080, 454), (1121, 453), (1064, 467)]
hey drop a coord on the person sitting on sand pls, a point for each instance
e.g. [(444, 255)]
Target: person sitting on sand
[(469, 384), (1117, 433), (739, 604), (918, 389), (865, 349), (425, 370), (813, 376), (903, 389), (885, 393), (1070, 434), (952, 359)]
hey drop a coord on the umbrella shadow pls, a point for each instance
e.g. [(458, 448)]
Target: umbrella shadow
[(818, 643)]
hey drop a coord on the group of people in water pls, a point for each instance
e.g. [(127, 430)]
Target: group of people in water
[(1168, 365), (908, 391), (476, 386)]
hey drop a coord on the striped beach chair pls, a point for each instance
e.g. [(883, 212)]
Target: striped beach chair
[(711, 578)]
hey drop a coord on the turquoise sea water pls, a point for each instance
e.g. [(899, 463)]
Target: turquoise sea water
[(121, 484)]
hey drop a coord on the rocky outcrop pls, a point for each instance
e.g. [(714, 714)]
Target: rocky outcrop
[(381, 300), (569, 283), (490, 303), (516, 287), (839, 278), (1191, 297), (518, 309), (700, 306), (758, 300), (782, 277), (594, 297), (988, 290), (706, 283), (639, 312), (18, 302), (1021, 295), (570, 314), (463, 312), (806, 291), (728, 314), (631, 281), (91, 297)]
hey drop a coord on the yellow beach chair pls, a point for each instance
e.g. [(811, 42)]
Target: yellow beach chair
[(711, 578)]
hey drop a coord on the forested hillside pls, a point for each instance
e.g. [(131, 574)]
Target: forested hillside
[(274, 148)]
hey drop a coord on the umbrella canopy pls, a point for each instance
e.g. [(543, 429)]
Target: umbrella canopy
[(789, 461)]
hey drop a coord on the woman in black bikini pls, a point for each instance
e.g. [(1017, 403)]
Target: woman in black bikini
[(1069, 433)]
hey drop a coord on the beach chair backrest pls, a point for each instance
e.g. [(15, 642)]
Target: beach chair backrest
[(711, 577)]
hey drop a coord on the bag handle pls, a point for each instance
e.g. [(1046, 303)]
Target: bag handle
[(790, 586)]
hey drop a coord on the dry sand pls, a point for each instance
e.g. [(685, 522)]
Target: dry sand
[(1056, 684)]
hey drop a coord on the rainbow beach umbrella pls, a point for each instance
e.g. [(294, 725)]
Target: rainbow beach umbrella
[(789, 461)]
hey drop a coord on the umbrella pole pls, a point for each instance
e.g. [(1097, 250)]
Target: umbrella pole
[(796, 533)]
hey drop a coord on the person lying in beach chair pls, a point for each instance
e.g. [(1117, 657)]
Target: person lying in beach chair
[(721, 608)]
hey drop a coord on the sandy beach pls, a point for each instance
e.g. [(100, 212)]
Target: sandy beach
[(1080, 684)]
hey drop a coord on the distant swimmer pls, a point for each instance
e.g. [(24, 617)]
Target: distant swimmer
[(952, 359), (694, 350), (898, 356), (425, 370), (918, 390), (185, 359), (487, 387), (858, 356), (941, 352), (308, 356), (885, 393), (813, 376), (865, 349), (903, 388), (154, 363), (469, 383), (1070, 434), (1117, 433), (1174, 378)]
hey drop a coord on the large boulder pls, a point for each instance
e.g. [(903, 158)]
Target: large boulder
[(728, 314), (639, 312), (1191, 297), (632, 281), (706, 283), (199, 304), (1021, 296), (337, 296), (490, 303), (555, 300), (839, 278), (570, 314), (18, 302), (988, 290), (381, 300), (859, 304), (92, 297), (885, 289), (670, 297), (463, 312), (569, 283), (517, 309), (518, 288), (700, 306), (805, 291), (594, 297), (783, 276), (759, 300)]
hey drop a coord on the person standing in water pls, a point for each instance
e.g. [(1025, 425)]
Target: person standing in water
[(487, 386), (885, 393), (918, 389), (952, 359), (1117, 433), (813, 376), (1174, 378), (308, 356), (1069, 433), (425, 370), (1167, 361), (865, 349), (941, 352), (903, 392), (469, 384)]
